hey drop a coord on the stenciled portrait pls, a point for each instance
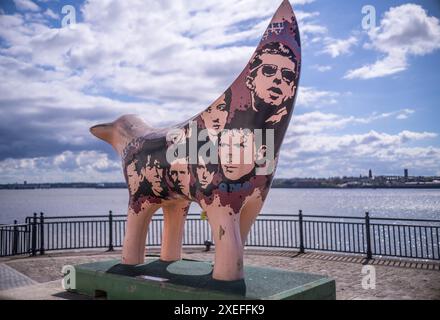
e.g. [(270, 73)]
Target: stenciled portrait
[(215, 116), (272, 80), (180, 176)]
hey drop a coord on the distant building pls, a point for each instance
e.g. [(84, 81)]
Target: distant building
[(405, 173), (24, 182), (370, 174)]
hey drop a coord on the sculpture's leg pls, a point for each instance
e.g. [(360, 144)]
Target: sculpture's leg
[(250, 211), (174, 222), (248, 215), (133, 251), (225, 227)]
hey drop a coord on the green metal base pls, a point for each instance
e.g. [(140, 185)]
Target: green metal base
[(192, 280)]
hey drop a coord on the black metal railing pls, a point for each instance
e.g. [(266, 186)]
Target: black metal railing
[(408, 238), (14, 239)]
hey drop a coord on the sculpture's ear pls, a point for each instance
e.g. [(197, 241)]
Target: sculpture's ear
[(250, 83), (103, 131)]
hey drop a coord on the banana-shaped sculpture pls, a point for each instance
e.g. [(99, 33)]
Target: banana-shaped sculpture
[(223, 158)]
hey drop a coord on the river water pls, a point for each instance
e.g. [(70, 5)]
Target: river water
[(395, 203)]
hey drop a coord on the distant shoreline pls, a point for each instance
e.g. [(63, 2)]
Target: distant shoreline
[(378, 182), (274, 187)]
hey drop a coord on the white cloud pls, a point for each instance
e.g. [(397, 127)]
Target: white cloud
[(49, 13), (26, 5), (404, 114), (314, 122), (315, 147), (337, 47), (360, 143), (84, 166), (313, 29), (391, 64), (321, 68), (299, 2), (311, 97), (324, 154), (309, 27), (404, 31)]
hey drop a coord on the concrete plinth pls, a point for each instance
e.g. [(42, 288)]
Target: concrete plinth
[(192, 280)]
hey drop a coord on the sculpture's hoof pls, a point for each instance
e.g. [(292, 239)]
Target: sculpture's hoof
[(124, 270), (236, 287)]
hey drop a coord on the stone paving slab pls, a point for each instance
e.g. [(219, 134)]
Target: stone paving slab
[(11, 278), (51, 290)]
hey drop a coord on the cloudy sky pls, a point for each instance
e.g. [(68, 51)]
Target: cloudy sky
[(368, 96)]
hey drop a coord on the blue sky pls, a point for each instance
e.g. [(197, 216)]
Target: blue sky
[(368, 98)]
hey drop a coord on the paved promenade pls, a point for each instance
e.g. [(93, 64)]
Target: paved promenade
[(11, 278), (40, 277)]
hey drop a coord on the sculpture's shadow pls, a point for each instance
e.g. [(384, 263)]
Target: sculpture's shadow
[(189, 273)]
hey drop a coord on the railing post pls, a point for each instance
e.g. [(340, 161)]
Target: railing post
[(28, 235), (34, 235), (208, 245), (301, 234), (110, 231), (42, 233), (15, 239), (368, 235)]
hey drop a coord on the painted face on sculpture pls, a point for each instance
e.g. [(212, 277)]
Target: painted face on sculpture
[(134, 179), (274, 80), (180, 175), (154, 175), (236, 153), (215, 116), (204, 176)]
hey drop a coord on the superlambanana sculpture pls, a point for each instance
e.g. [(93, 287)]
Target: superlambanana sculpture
[(224, 158)]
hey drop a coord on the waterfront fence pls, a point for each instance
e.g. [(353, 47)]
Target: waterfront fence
[(396, 237)]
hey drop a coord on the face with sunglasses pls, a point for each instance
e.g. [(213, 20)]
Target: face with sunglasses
[(274, 81)]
